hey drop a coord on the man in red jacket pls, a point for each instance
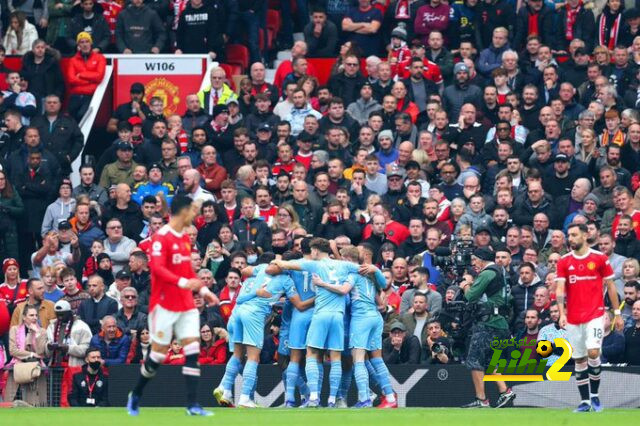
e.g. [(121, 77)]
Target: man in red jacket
[(212, 172), (84, 74)]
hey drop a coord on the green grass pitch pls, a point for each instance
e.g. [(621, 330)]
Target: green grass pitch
[(319, 417)]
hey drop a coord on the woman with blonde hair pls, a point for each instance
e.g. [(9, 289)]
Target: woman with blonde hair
[(287, 220), (587, 145), (630, 272), (27, 343)]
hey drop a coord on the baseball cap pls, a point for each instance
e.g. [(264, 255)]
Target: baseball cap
[(483, 228), (155, 166), (397, 325), (62, 306), (483, 253), (396, 171), (460, 67), (64, 225), (123, 274), (124, 146), (219, 109), (264, 127), (137, 88), (561, 157)]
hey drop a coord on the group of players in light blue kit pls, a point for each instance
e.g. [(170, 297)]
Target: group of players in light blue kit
[(332, 305)]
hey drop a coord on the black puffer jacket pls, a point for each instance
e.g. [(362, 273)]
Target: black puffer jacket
[(44, 78)]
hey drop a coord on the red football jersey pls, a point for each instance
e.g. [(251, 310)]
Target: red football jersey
[(635, 224), (584, 280), (8, 294), (170, 262)]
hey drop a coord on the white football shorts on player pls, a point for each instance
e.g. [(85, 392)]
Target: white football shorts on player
[(585, 336), (165, 325)]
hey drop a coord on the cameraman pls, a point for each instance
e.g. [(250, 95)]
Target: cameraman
[(490, 287), (437, 348)]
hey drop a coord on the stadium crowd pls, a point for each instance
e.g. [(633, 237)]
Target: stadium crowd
[(496, 122)]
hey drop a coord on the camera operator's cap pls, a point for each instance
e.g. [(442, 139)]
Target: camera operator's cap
[(396, 171), (124, 146), (483, 253), (83, 35), (219, 109), (561, 157), (64, 225), (123, 274), (460, 67), (264, 127), (9, 262), (135, 121), (62, 306), (397, 325), (137, 88)]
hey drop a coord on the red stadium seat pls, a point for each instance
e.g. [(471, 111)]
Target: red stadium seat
[(230, 71), (238, 54), (274, 21)]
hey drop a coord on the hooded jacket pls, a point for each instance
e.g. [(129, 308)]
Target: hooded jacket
[(115, 352), (139, 29), (57, 212), (523, 295)]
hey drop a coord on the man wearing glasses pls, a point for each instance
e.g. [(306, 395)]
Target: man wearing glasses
[(129, 318), (117, 246), (346, 84)]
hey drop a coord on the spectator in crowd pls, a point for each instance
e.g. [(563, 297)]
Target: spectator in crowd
[(35, 298), (321, 35), (213, 345), (346, 84), (126, 211), (87, 67), (111, 342), (68, 337), (632, 337), (134, 108), (90, 387), (117, 246), (20, 35), (27, 341), (121, 170), (11, 209), (612, 342), (361, 25), (93, 310), (140, 346), (58, 26), (139, 30), (88, 18), (400, 347), (202, 29), (60, 210)]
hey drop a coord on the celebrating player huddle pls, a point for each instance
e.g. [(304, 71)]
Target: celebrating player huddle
[(317, 289)]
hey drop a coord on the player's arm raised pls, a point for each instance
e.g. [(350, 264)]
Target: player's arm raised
[(615, 303)]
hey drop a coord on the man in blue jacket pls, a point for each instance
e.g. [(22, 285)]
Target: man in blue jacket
[(113, 344)]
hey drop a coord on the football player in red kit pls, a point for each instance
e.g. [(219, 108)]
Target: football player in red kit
[(580, 277), (172, 311)]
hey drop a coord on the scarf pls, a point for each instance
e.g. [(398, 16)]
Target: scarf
[(572, 15), (608, 28), (402, 10), (618, 138), (533, 22)]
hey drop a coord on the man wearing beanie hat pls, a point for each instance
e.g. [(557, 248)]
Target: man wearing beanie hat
[(490, 322), (219, 130)]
